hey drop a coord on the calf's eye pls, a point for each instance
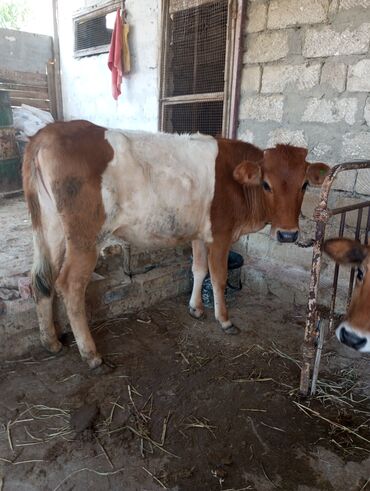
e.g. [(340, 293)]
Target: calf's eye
[(360, 274), (266, 186)]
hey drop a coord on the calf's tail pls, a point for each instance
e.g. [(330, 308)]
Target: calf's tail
[(42, 272)]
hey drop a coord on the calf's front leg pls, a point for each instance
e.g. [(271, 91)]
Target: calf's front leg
[(200, 270), (217, 262)]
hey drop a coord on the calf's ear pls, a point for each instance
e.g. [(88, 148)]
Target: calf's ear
[(248, 173), (346, 251), (316, 173)]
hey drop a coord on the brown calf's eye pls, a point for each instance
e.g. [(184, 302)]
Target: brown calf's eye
[(266, 186), (304, 187)]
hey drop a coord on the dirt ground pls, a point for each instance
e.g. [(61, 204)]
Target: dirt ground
[(186, 407), (16, 239)]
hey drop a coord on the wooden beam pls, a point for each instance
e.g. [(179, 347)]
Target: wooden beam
[(58, 104), (29, 94), (28, 78), (40, 90), (50, 70), (39, 103)]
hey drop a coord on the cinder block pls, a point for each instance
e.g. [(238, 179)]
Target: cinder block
[(276, 78), (350, 4), (331, 110), (257, 14), (258, 245), (367, 111), (262, 108), (358, 79), (356, 145), (266, 46), (363, 181), (310, 202), (282, 135), (345, 181), (334, 75), (251, 79), (285, 13), (327, 41), (247, 136)]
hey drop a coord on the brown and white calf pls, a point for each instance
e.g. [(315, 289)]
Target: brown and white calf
[(82, 181), (354, 330)]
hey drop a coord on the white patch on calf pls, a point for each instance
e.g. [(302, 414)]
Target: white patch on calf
[(158, 188)]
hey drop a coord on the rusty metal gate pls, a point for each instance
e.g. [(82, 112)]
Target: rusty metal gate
[(317, 318)]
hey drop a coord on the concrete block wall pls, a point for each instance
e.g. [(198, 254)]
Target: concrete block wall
[(306, 81)]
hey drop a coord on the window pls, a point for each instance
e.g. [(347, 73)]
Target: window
[(200, 66), (93, 29)]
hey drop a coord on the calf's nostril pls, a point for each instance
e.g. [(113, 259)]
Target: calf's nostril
[(284, 236)]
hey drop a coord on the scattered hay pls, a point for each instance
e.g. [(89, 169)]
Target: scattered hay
[(21, 462), (59, 426), (141, 424), (308, 411), (202, 423), (87, 469), (155, 478)]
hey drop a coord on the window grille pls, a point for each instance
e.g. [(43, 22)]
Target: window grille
[(198, 49), (93, 29)]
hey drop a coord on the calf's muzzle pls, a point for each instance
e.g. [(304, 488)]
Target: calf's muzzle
[(350, 338)]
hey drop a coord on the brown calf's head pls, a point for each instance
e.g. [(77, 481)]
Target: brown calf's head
[(354, 330), (284, 176)]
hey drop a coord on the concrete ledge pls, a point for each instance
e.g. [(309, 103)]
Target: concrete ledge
[(106, 298)]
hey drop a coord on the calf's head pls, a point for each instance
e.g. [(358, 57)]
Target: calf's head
[(354, 330), (284, 176)]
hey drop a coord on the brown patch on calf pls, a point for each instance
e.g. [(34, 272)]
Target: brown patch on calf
[(66, 192)]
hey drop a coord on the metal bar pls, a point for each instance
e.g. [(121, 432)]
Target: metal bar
[(181, 99), (320, 344), (366, 241), (321, 216), (337, 211), (335, 280)]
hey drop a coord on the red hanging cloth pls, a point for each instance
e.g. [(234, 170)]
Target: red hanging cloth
[(115, 56)]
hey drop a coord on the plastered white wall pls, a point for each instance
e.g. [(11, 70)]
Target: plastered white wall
[(86, 82)]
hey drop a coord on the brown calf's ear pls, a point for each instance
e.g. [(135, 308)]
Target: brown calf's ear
[(316, 173), (346, 251), (248, 173)]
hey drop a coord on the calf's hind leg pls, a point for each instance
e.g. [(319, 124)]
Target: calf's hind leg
[(71, 283), (43, 275)]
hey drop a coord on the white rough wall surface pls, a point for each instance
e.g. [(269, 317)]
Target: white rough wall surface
[(86, 82)]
